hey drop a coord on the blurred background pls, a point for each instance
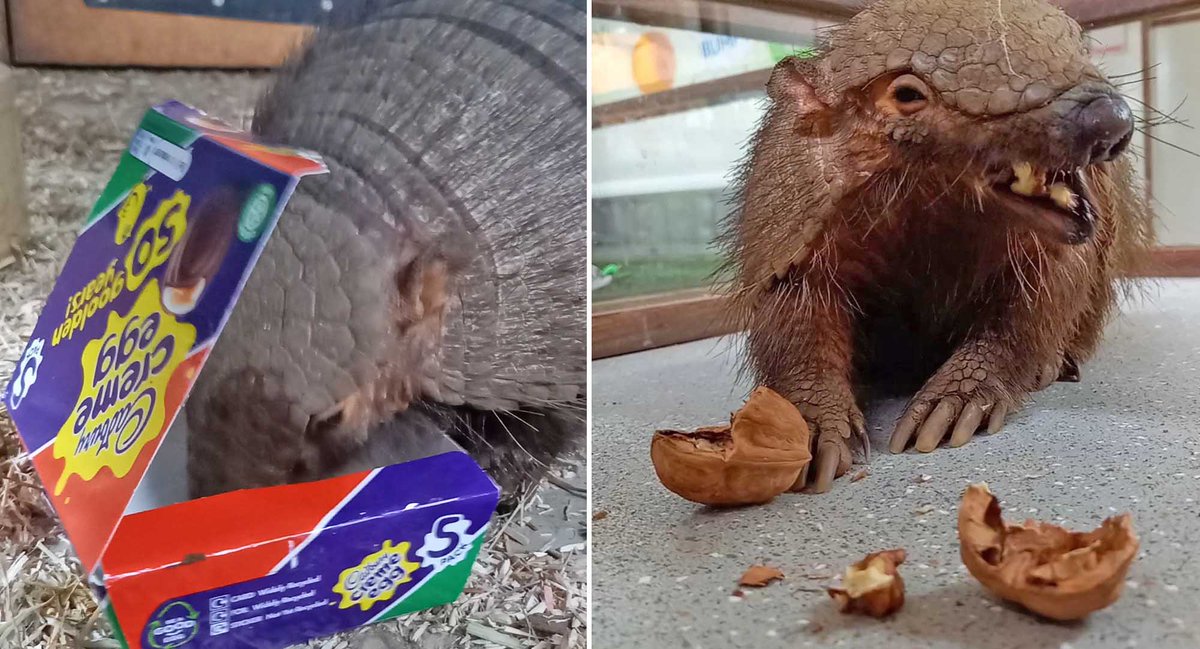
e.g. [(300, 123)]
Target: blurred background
[(678, 89)]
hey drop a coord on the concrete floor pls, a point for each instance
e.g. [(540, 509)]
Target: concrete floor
[(1123, 440)]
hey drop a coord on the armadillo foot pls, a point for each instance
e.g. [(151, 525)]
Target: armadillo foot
[(832, 457), (954, 419)]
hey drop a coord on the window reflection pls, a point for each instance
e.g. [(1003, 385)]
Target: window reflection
[(673, 109)]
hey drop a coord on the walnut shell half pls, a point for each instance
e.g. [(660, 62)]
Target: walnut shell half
[(749, 462), (1057, 573)]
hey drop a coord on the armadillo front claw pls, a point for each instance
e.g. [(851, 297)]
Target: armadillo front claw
[(831, 459), (953, 416), (859, 429), (833, 430), (826, 467)]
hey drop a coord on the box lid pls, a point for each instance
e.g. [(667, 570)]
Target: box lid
[(131, 318)]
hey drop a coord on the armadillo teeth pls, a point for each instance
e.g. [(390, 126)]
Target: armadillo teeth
[(1032, 182), (1063, 196), (1027, 183)]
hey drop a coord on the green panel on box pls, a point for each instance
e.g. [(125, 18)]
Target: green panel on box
[(443, 588), (116, 626), (132, 171)]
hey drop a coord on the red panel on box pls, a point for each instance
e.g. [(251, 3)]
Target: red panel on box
[(289, 161), (198, 545), (91, 520), (165, 536)]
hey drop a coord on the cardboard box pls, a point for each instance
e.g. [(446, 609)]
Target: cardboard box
[(142, 298)]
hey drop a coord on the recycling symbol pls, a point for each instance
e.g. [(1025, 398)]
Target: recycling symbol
[(174, 626)]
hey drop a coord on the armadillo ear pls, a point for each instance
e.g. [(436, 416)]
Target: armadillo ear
[(792, 82)]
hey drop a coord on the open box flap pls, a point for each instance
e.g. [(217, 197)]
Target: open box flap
[(121, 340), (294, 162), (238, 558)]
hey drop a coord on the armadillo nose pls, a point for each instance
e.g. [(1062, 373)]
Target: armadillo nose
[(1105, 127)]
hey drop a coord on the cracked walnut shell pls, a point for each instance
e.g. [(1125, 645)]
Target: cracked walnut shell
[(750, 462), (872, 586), (1057, 573)]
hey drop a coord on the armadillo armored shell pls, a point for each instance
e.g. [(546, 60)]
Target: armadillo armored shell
[(1057, 573), (753, 460)]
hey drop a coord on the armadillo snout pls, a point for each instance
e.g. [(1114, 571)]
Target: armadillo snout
[(1104, 127)]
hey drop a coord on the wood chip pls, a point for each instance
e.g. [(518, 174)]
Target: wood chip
[(548, 625), (600, 515), (492, 635)]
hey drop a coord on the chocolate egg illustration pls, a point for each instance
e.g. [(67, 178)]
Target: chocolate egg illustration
[(198, 255)]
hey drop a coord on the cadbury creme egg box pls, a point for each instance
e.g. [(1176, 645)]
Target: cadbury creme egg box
[(140, 302)]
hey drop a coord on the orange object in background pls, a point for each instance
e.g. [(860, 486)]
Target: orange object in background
[(654, 63)]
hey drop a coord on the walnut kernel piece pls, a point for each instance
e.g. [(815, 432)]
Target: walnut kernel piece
[(1051, 571), (750, 462), (872, 586)]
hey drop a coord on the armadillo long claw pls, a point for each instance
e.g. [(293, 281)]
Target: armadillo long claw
[(864, 440), (906, 427), (828, 456), (968, 424), (802, 481), (934, 429), (996, 420)]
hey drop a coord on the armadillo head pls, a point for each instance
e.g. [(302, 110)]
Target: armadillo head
[(995, 103)]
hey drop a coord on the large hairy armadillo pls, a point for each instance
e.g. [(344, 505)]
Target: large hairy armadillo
[(939, 200), (435, 279)]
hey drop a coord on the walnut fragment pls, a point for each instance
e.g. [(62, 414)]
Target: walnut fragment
[(872, 586), (1057, 573), (749, 462), (759, 576)]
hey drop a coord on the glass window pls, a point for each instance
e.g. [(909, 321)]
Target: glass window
[(672, 111)]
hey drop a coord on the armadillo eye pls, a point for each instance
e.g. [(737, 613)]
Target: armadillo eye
[(907, 95), (910, 94)]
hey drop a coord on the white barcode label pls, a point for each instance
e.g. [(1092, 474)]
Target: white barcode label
[(167, 159)]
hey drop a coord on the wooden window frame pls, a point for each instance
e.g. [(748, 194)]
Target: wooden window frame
[(67, 32), (647, 322)]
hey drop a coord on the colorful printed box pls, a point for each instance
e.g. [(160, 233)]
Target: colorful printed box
[(142, 298)]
